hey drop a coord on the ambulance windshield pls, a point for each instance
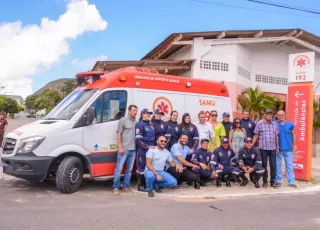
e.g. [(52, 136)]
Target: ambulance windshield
[(67, 108)]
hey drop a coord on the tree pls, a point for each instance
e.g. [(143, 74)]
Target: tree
[(68, 86), (256, 101), (48, 99), (30, 103)]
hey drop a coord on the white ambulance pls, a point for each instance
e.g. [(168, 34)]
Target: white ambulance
[(79, 135)]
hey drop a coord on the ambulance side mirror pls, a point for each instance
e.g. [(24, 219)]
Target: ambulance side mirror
[(89, 116)]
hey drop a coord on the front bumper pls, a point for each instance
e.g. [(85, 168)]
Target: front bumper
[(27, 166)]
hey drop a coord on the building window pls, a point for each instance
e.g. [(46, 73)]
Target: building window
[(216, 65), (264, 79), (207, 64), (258, 78), (278, 80), (271, 80), (243, 72), (284, 81), (225, 67)]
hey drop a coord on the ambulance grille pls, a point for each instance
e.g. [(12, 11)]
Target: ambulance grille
[(8, 145), (146, 70)]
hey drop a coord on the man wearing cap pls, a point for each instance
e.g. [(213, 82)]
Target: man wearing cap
[(160, 127), (248, 124), (179, 153), (250, 162), (287, 146), (227, 123), (225, 161), (267, 131), (204, 159), (205, 129), (145, 139)]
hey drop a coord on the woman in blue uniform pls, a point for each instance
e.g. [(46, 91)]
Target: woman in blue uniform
[(145, 139), (174, 129), (160, 126), (192, 132)]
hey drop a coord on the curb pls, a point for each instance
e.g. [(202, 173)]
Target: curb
[(293, 191)]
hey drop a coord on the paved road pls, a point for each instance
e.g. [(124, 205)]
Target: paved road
[(40, 206), (27, 206)]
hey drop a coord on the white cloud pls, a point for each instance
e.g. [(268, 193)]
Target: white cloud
[(26, 49), (89, 62)]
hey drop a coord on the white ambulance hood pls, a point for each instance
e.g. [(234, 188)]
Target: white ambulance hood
[(40, 128)]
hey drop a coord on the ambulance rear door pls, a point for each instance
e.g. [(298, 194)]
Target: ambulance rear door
[(196, 103), (164, 100)]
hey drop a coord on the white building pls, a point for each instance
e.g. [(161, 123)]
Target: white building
[(239, 58)]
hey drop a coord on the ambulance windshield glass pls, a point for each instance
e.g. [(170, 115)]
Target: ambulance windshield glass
[(67, 108)]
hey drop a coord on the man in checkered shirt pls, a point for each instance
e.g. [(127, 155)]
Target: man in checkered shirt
[(267, 132)]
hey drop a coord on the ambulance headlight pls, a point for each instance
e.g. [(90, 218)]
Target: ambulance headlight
[(29, 144)]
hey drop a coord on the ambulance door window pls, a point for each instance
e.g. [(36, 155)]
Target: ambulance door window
[(98, 106), (114, 105)]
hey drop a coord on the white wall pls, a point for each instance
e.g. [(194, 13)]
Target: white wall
[(182, 54)]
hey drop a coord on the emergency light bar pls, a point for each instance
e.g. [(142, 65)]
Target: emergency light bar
[(90, 77)]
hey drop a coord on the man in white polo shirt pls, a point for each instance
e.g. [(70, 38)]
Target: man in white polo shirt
[(205, 129)]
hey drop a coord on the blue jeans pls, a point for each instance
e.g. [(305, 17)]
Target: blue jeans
[(167, 179), (288, 159), (127, 157)]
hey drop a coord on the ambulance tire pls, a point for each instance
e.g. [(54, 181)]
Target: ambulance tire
[(69, 175)]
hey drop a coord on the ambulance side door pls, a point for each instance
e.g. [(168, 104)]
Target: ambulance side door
[(100, 138), (164, 100)]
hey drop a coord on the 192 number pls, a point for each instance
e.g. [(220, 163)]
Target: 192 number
[(301, 77)]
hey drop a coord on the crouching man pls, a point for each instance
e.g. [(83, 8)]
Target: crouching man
[(250, 162), (204, 159), (224, 160), (156, 160)]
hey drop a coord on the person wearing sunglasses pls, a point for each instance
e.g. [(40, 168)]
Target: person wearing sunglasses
[(218, 129), (227, 124), (155, 175), (237, 136), (160, 127), (174, 130), (145, 137)]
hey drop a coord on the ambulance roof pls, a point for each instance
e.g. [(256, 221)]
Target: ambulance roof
[(143, 78)]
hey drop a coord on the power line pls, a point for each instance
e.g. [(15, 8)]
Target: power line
[(284, 6), (247, 8)]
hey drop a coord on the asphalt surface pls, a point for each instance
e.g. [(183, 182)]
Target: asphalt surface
[(40, 206)]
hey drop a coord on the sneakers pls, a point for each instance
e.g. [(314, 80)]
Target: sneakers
[(293, 186), (127, 190), (150, 194), (115, 191)]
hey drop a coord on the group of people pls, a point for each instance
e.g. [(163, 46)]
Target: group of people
[(168, 154)]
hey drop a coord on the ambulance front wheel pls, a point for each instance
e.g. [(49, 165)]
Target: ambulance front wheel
[(69, 175)]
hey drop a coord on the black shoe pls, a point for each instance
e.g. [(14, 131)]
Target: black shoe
[(256, 184), (265, 185), (150, 194), (218, 183), (179, 182), (141, 188), (203, 184), (244, 182), (176, 187), (196, 185), (272, 184), (190, 183), (158, 190)]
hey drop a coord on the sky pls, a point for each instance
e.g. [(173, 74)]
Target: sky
[(44, 40)]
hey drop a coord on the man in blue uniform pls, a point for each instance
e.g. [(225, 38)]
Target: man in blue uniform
[(248, 124), (204, 159), (250, 162), (224, 160), (160, 126), (227, 124), (145, 139)]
